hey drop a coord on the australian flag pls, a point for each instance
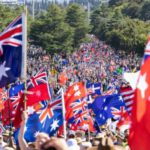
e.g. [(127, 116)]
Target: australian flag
[(104, 106), (15, 89), (11, 52), (47, 119), (34, 126)]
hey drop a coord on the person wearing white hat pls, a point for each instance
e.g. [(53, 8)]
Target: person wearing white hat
[(72, 144)]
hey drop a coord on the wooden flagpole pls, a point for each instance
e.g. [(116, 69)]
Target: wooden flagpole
[(24, 52)]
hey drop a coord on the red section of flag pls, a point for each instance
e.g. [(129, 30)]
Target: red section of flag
[(8, 36), (75, 108), (7, 113), (124, 120), (37, 94), (17, 118), (14, 109), (84, 125), (140, 129), (74, 92)]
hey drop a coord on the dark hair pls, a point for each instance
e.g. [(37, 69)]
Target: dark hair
[(49, 148)]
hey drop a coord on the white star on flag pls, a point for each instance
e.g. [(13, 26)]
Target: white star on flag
[(21, 109), (38, 93), (36, 133), (76, 87), (100, 115), (105, 108), (13, 112), (68, 94), (142, 85), (104, 99), (54, 125), (30, 110), (120, 98), (78, 93), (3, 70)]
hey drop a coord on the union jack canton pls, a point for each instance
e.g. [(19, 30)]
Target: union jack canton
[(11, 52), (49, 111)]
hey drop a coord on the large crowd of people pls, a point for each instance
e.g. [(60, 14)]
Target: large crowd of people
[(93, 62)]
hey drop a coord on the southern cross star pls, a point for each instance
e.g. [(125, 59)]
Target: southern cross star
[(30, 110), (54, 125), (3, 70)]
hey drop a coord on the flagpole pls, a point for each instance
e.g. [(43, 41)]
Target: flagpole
[(63, 112), (24, 51), (89, 135)]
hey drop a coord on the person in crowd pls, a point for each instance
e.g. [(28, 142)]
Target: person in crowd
[(2, 143), (93, 62), (72, 142)]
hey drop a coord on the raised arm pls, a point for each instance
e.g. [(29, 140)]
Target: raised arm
[(22, 142)]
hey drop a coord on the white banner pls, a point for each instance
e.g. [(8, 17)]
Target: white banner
[(131, 78)]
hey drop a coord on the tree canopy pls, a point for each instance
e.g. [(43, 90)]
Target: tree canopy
[(122, 24), (60, 29), (57, 29), (77, 19), (7, 14)]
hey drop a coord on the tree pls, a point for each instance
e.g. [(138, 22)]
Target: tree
[(132, 10), (51, 32), (76, 17), (116, 2), (99, 21), (7, 14), (145, 12), (119, 31)]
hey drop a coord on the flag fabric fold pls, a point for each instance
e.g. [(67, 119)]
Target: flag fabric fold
[(46, 117), (74, 92), (104, 106), (11, 52), (37, 90), (140, 120)]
